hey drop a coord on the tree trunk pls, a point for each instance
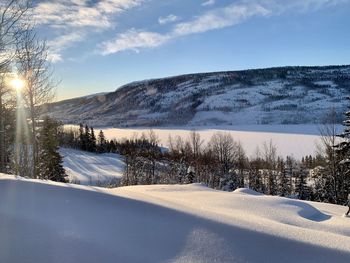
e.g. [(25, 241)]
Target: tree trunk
[(2, 136), (33, 139)]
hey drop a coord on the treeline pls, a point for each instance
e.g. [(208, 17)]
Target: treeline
[(220, 164), (84, 139)]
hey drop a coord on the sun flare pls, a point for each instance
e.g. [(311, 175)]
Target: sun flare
[(17, 84)]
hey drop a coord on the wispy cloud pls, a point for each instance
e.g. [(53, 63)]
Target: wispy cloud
[(58, 44), (83, 16), (216, 18), (220, 18), (208, 3), (167, 19), (134, 40)]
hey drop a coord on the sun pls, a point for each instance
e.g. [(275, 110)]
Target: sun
[(17, 84)]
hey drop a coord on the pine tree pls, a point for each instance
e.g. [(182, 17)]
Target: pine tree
[(92, 141), (255, 180), (301, 187), (190, 175), (323, 186), (343, 158), (87, 138), (101, 142), (284, 182), (82, 140), (50, 161)]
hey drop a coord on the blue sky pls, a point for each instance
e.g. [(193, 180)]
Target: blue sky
[(97, 46)]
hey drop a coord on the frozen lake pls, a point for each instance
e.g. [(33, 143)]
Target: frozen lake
[(293, 140)]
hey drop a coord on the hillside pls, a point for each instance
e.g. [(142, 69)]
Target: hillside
[(92, 169), (51, 222), (288, 95)]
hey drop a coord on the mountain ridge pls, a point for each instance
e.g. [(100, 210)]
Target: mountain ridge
[(278, 95)]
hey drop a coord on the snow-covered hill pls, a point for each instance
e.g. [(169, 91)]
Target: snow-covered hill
[(264, 96), (91, 168), (52, 222)]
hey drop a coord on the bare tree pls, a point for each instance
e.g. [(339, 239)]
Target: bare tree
[(34, 67), (225, 150), (196, 143), (11, 14), (270, 158), (5, 102), (329, 141)]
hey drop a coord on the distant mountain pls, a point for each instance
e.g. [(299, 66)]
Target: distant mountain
[(285, 95)]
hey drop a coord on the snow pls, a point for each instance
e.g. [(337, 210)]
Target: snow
[(92, 169), (52, 222), (292, 140)]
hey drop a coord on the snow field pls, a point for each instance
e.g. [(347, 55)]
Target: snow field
[(92, 169), (52, 222)]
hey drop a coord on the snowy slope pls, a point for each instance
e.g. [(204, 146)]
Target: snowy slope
[(51, 222), (288, 95), (92, 169)]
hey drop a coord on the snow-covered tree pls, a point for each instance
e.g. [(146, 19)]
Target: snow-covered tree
[(342, 151), (301, 188), (101, 142), (284, 182)]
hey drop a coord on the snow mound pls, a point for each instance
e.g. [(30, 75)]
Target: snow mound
[(246, 191), (52, 222)]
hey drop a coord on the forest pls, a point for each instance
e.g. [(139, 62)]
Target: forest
[(223, 164)]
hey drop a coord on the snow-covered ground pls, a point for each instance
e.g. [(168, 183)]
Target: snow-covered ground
[(292, 140), (92, 169), (52, 222)]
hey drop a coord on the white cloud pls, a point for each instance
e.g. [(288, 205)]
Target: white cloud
[(218, 18), (133, 40), (54, 57), (83, 16), (58, 44), (208, 3), (115, 6), (228, 16), (167, 19)]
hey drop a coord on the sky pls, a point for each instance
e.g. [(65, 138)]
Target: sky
[(98, 46)]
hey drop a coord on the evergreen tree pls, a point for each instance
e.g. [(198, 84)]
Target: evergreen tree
[(92, 141), (190, 175), (87, 138), (343, 158), (112, 146), (284, 182), (301, 187), (254, 174), (82, 141), (50, 161), (323, 186), (101, 142)]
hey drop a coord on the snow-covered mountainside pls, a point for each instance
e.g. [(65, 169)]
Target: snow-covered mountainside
[(263, 96), (51, 222)]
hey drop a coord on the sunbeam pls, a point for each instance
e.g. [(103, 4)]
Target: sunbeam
[(22, 131)]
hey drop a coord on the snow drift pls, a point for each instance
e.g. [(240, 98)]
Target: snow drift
[(51, 222)]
